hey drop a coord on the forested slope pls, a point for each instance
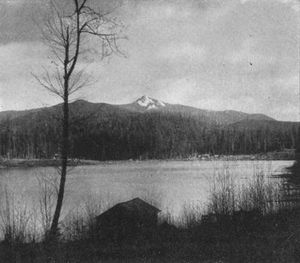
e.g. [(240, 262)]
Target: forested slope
[(112, 132)]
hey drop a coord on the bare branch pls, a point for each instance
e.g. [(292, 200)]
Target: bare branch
[(82, 5), (79, 81), (47, 84)]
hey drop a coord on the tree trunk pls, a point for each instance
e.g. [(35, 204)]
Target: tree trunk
[(64, 163)]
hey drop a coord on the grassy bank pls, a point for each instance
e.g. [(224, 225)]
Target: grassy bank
[(249, 223), (275, 240)]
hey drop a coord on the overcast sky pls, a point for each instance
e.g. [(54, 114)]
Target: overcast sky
[(212, 54)]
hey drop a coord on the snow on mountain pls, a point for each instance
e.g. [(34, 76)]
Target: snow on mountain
[(160, 103), (149, 103), (145, 101)]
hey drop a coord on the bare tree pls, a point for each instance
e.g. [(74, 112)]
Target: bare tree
[(67, 31)]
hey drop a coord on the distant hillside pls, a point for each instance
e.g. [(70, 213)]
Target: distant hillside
[(146, 104), (146, 128)]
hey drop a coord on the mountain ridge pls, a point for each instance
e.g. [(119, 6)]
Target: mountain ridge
[(154, 104), (147, 104)]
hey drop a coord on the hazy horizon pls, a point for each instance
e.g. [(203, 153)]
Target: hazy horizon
[(217, 55)]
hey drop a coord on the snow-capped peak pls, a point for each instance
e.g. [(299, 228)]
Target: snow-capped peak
[(149, 103), (145, 101)]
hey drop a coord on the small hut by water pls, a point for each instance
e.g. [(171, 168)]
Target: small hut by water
[(128, 220)]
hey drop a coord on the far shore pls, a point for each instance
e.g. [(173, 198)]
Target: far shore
[(7, 163), (23, 163)]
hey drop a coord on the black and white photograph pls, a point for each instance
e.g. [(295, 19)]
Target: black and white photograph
[(149, 131)]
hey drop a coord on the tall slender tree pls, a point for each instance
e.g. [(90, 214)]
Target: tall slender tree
[(67, 31)]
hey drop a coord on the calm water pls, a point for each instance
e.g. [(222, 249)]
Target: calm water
[(169, 184)]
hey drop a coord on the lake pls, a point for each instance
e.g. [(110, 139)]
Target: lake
[(171, 185)]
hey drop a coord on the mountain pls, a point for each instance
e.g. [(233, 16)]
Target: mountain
[(147, 104), (144, 103), (145, 128)]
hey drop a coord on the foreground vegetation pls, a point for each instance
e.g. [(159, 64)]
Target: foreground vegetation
[(253, 223)]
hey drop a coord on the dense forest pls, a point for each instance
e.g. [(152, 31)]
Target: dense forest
[(113, 134)]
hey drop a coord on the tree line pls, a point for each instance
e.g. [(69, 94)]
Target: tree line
[(141, 136)]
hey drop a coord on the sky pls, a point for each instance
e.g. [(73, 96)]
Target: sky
[(212, 54)]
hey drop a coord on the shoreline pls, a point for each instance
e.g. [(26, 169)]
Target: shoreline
[(29, 163)]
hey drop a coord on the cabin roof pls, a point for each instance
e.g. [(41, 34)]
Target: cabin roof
[(138, 204), (133, 205)]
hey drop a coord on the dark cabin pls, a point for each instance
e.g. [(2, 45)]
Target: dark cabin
[(128, 221)]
